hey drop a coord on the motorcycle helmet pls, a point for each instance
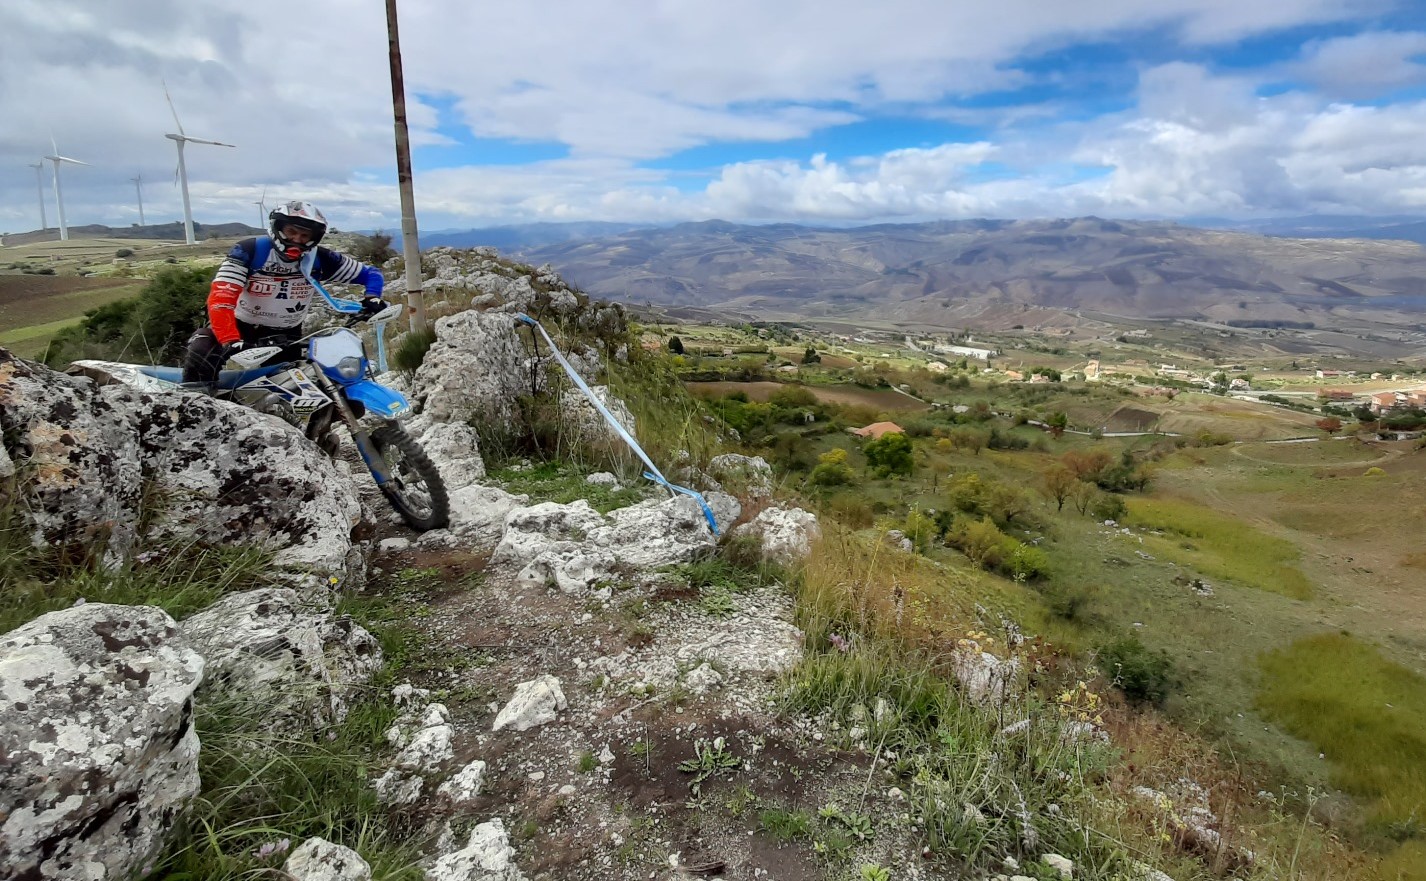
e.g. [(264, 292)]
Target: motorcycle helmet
[(303, 215)]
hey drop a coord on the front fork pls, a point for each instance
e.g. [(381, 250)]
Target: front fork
[(374, 461)]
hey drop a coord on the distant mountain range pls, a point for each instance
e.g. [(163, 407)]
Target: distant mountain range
[(1327, 226), (997, 274)]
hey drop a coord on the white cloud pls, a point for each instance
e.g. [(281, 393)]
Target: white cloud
[(1364, 65), (304, 93)]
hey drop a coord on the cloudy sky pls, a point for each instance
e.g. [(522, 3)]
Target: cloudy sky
[(818, 112)]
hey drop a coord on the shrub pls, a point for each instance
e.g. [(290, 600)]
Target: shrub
[(156, 324), (1145, 676), (374, 249), (124, 252), (832, 469), (890, 454), (1107, 506), (411, 350)]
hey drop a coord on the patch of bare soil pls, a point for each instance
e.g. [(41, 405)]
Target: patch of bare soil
[(603, 792)]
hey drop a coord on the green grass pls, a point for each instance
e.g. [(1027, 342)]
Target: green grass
[(1220, 546), (563, 483), (1364, 712)]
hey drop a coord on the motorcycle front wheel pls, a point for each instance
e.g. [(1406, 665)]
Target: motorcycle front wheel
[(414, 488)]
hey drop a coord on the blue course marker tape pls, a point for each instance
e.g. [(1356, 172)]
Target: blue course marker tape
[(653, 473)]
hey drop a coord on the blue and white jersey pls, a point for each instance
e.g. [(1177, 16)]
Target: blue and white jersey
[(276, 294)]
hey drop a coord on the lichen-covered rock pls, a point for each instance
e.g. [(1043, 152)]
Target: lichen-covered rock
[(587, 423), (77, 456), (465, 784), (294, 661), (487, 856), (454, 448), (784, 534), (318, 859), (97, 739), (574, 547), (983, 677), (534, 703), (476, 369), (94, 462), (750, 475)]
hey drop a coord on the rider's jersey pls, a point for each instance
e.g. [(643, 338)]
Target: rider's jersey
[(276, 294)]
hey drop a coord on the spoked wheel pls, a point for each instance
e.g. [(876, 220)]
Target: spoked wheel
[(414, 488)]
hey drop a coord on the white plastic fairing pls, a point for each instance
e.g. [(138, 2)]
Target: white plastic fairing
[(390, 313), (247, 359)]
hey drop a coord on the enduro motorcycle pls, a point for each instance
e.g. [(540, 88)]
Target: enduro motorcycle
[(333, 386)]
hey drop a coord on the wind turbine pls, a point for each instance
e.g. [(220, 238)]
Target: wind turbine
[(181, 139), (56, 159), (40, 191), (139, 189), (262, 210)]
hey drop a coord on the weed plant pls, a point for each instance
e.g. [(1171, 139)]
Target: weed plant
[(411, 350)]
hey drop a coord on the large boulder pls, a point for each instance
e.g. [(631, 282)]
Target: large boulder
[(574, 547), (268, 649), (784, 535), (476, 369), (742, 475), (97, 464), (98, 754)]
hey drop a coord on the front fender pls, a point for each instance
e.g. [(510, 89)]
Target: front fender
[(378, 399)]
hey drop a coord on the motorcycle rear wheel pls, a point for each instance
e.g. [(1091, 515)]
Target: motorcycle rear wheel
[(414, 489)]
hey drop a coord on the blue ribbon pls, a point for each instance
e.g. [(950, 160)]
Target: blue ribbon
[(653, 473)]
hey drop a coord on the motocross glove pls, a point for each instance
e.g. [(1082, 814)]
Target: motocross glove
[(371, 305)]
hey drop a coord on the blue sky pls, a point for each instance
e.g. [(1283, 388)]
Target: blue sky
[(825, 112)]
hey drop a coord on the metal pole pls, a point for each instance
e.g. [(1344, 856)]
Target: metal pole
[(138, 188), (410, 248), (39, 168)]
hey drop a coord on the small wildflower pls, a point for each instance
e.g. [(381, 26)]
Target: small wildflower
[(272, 848), (839, 642)]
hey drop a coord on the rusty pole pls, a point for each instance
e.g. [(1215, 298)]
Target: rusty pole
[(410, 248)]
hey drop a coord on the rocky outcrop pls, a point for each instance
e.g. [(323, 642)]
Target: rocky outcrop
[(97, 739), (785, 535), (476, 369), (268, 649), (534, 703), (742, 475), (96, 465), (574, 547)]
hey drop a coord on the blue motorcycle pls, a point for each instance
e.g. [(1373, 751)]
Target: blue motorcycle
[(333, 386)]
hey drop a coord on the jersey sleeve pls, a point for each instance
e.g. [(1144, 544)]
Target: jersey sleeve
[(341, 269), (227, 286)]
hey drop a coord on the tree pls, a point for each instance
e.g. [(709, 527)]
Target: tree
[(1059, 483), (1330, 424), (374, 249), (890, 454), (1058, 422), (832, 469), (810, 356), (675, 345), (969, 439)]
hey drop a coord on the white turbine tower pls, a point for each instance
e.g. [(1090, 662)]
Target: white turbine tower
[(181, 139), (56, 159), (39, 168), (139, 191), (262, 210)]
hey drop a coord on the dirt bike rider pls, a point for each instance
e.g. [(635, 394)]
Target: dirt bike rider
[(261, 292)]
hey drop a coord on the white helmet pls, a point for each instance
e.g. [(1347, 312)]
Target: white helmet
[(300, 214)]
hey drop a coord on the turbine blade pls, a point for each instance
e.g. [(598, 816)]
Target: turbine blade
[(53, 144), (171, 108), (67, 159), (204, 141)]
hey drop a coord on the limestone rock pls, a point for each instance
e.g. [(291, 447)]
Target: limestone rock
[(589, 425), (94, 456), (983, 677), (750, 475), (454, 449), (96, 731), (465, 785), (487, 856), (476, 368), (317, 859), (1062, 865), (534, 703), (785, 534), (602, 478), (266, 647)]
